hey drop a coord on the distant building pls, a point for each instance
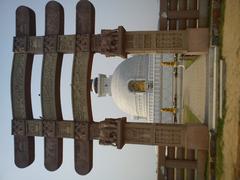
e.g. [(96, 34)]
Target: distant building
[(135, 87)]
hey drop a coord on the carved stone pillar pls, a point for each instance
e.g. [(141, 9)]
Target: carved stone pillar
[(110, 42), (111, 132)]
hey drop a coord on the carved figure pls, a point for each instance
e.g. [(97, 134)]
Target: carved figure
[(109, 39), (108, 132)]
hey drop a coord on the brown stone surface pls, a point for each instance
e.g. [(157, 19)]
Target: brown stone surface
[(81, 75), (117, 132), (50, 85), (173, 4), (190, 174), (163, 14), (192, 6), (180, 156), (118, 42), (201, 165), (184, 14), (183, 7), (170, 155), (161, 170), (203, 6), (21, 88), (156, 42), (198, 41)]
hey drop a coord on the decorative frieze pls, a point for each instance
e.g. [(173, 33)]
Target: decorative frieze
[(20, 44), (170, 135), (155, 41), (35, 44), (110, 42), (81, 130), (18, 128), (34, 128), (83, 43), (116, 42), (49, 128), (66, 43), (50, 43), (65, 129), (115, 132)]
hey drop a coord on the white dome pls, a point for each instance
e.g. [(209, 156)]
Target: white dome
[(134, 68)]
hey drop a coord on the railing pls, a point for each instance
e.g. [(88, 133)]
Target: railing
[(182, 14), (179, 15)]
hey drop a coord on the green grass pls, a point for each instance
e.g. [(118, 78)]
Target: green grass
[(223, 5), (219, 146), (188, 63), (189, 116), (219, 142), (207, 169), (220, 124)]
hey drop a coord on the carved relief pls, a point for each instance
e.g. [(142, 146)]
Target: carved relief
[(129, 41), (44, 128), (138, 135), (18, 86), (49, 128), (80, 95), (35, 44), (109, 42), (50, 85), (139, 40), (21, 148), (157, 41), (169, 135), (18, 127), (51, 152), (169, 40), (82, 43), (147, 41), (48, 90), (22, 21), (108, 132), (54, 18), (20, 44), (65, 129), (50, 43), (81, 130), (80, 91), (34, 128), (83, 155), (66, 43)]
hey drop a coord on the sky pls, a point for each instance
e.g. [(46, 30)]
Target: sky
[(132, 162)]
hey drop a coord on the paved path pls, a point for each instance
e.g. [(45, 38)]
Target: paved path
[(194, 87)]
